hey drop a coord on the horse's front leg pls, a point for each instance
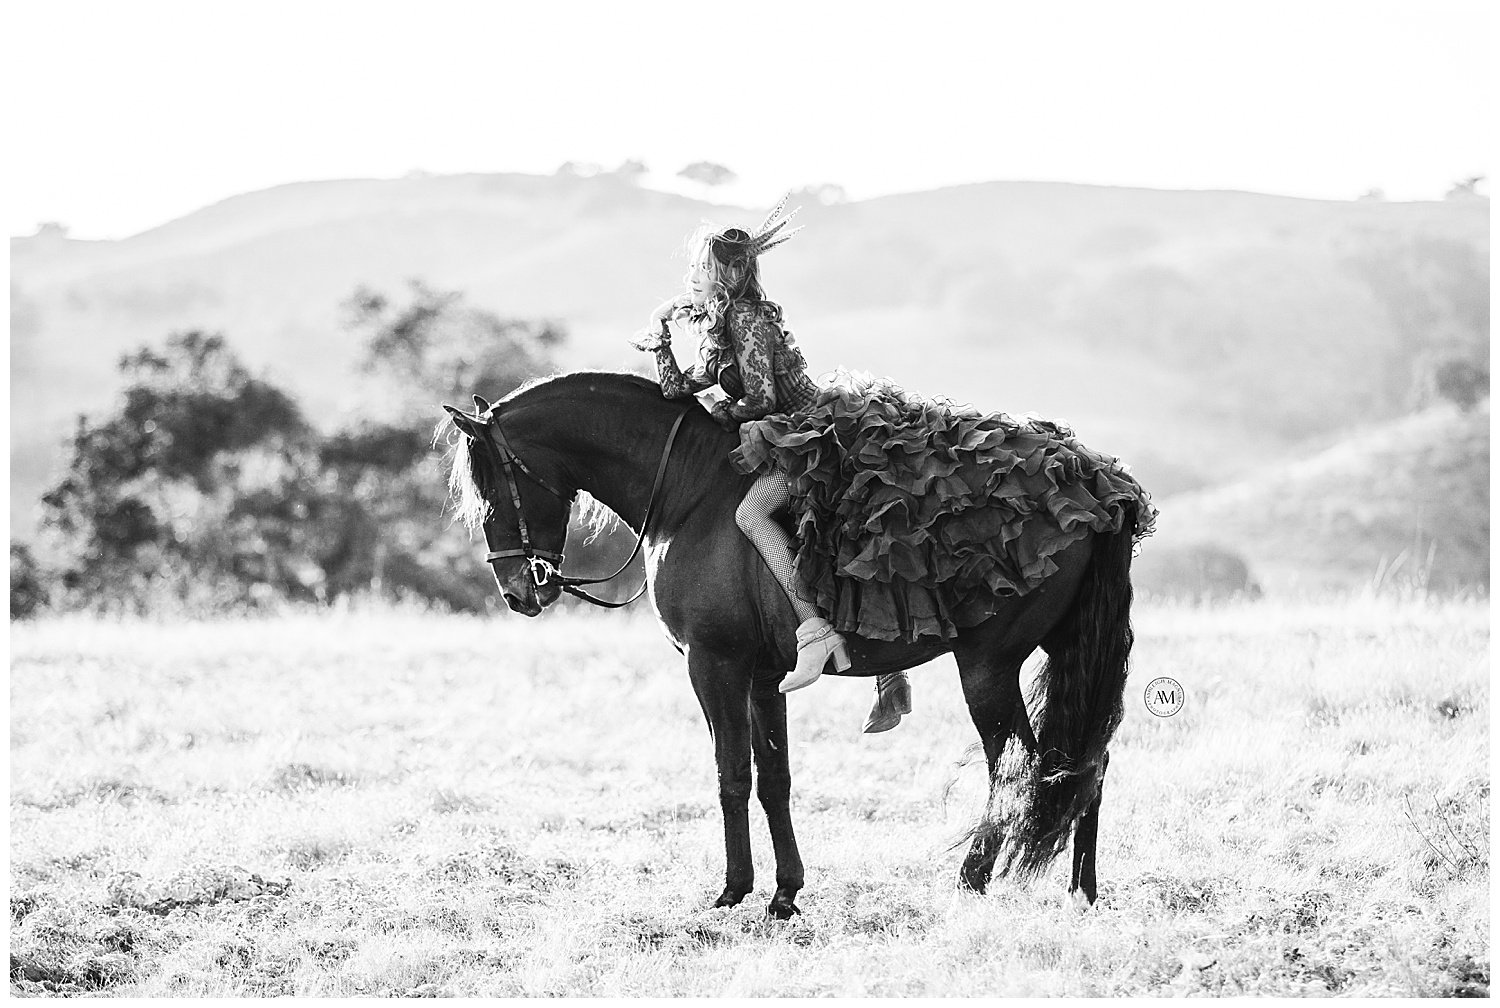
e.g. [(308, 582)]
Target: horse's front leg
[(773, 783), (723, 688)]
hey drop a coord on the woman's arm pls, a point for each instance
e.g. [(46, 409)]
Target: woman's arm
[(755, 341), (675, 383), (657, 340)]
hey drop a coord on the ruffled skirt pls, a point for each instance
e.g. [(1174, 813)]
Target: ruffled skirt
[(915, 515)]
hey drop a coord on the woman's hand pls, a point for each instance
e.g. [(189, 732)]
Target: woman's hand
[(652, 338), (657, 334), (723, 417), (671, 308)]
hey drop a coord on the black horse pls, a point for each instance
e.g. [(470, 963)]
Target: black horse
[(517, 472)]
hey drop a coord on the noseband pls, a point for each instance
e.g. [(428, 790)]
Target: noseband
[(544, 565)]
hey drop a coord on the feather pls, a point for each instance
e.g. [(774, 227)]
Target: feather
[(761, 241), (775, 212), (770, 245)]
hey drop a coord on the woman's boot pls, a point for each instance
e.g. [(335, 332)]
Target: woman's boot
[(892, 699), (817, 641)]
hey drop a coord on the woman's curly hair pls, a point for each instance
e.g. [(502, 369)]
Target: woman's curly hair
[(736, 271)]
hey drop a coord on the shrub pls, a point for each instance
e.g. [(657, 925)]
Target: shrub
[(29, 588), (1193, 572)]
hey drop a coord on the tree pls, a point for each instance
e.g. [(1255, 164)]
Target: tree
[(578, 169), (1462, 382), (826, 193), (434, 348), (1466, 188), (194, 487), (706, 173), (28, 583), (631, 170), (207, 485)]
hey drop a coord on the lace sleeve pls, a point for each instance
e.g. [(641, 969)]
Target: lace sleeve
[(755, 342), (676, 383)]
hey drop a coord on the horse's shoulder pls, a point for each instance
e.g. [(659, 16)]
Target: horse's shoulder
[(709, 549)]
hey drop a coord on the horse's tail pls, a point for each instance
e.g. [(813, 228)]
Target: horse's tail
[(1081, 688)]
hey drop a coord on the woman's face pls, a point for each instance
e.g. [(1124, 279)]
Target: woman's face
[(700, 277)]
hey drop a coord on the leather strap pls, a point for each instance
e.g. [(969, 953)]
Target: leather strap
[(570, 584), (507, 457)]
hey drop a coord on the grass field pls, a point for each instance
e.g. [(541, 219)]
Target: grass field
[(387, 802)]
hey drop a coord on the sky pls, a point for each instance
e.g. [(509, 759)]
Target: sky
[(123, 116)]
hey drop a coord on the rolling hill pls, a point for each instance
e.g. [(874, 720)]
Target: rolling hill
[(1403, 503), (1198, 334)]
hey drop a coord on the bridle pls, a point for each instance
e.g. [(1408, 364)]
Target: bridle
[(545, 565)]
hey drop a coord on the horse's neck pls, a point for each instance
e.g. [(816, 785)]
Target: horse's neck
[(614, 454)]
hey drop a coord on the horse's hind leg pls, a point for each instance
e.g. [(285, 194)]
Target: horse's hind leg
[(992, 689), (773, 783), (1085, 846)]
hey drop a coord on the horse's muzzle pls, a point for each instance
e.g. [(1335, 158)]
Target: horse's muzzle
[(532, 603), (521, 591), (526, 607)]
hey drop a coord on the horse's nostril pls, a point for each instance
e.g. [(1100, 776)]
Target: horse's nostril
[(522, 605)]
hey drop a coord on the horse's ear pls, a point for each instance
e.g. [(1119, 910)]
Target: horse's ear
[(480, 406), (470, 425)]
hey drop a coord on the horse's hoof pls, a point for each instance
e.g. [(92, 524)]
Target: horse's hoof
[(729, 898), (1079, 901), (782, 910)]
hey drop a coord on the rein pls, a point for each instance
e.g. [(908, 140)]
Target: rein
[(544, 564)]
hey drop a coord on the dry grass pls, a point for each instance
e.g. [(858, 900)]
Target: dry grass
[(390, 802)]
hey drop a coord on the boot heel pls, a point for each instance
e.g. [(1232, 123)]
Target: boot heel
[(816, 643), (841, 658)]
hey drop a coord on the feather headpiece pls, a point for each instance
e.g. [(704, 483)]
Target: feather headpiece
[(765, 237)]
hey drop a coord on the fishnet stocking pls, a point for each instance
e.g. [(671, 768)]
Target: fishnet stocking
[(769, 494)]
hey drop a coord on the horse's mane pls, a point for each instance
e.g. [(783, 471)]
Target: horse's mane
[(473, 478), (470, 476)]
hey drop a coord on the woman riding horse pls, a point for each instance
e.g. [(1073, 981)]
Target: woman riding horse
[(913, 515), (745, 351)]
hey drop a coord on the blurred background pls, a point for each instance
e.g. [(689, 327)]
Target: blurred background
[(1246, 249)]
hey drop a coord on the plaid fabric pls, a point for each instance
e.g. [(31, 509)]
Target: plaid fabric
[(795, 391)]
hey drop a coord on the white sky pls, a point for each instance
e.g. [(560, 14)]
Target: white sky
[(125, 114)]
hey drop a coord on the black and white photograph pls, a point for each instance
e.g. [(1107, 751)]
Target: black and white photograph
[(726, 499)]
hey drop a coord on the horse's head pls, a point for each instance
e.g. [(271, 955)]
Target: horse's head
[(523, 517)]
